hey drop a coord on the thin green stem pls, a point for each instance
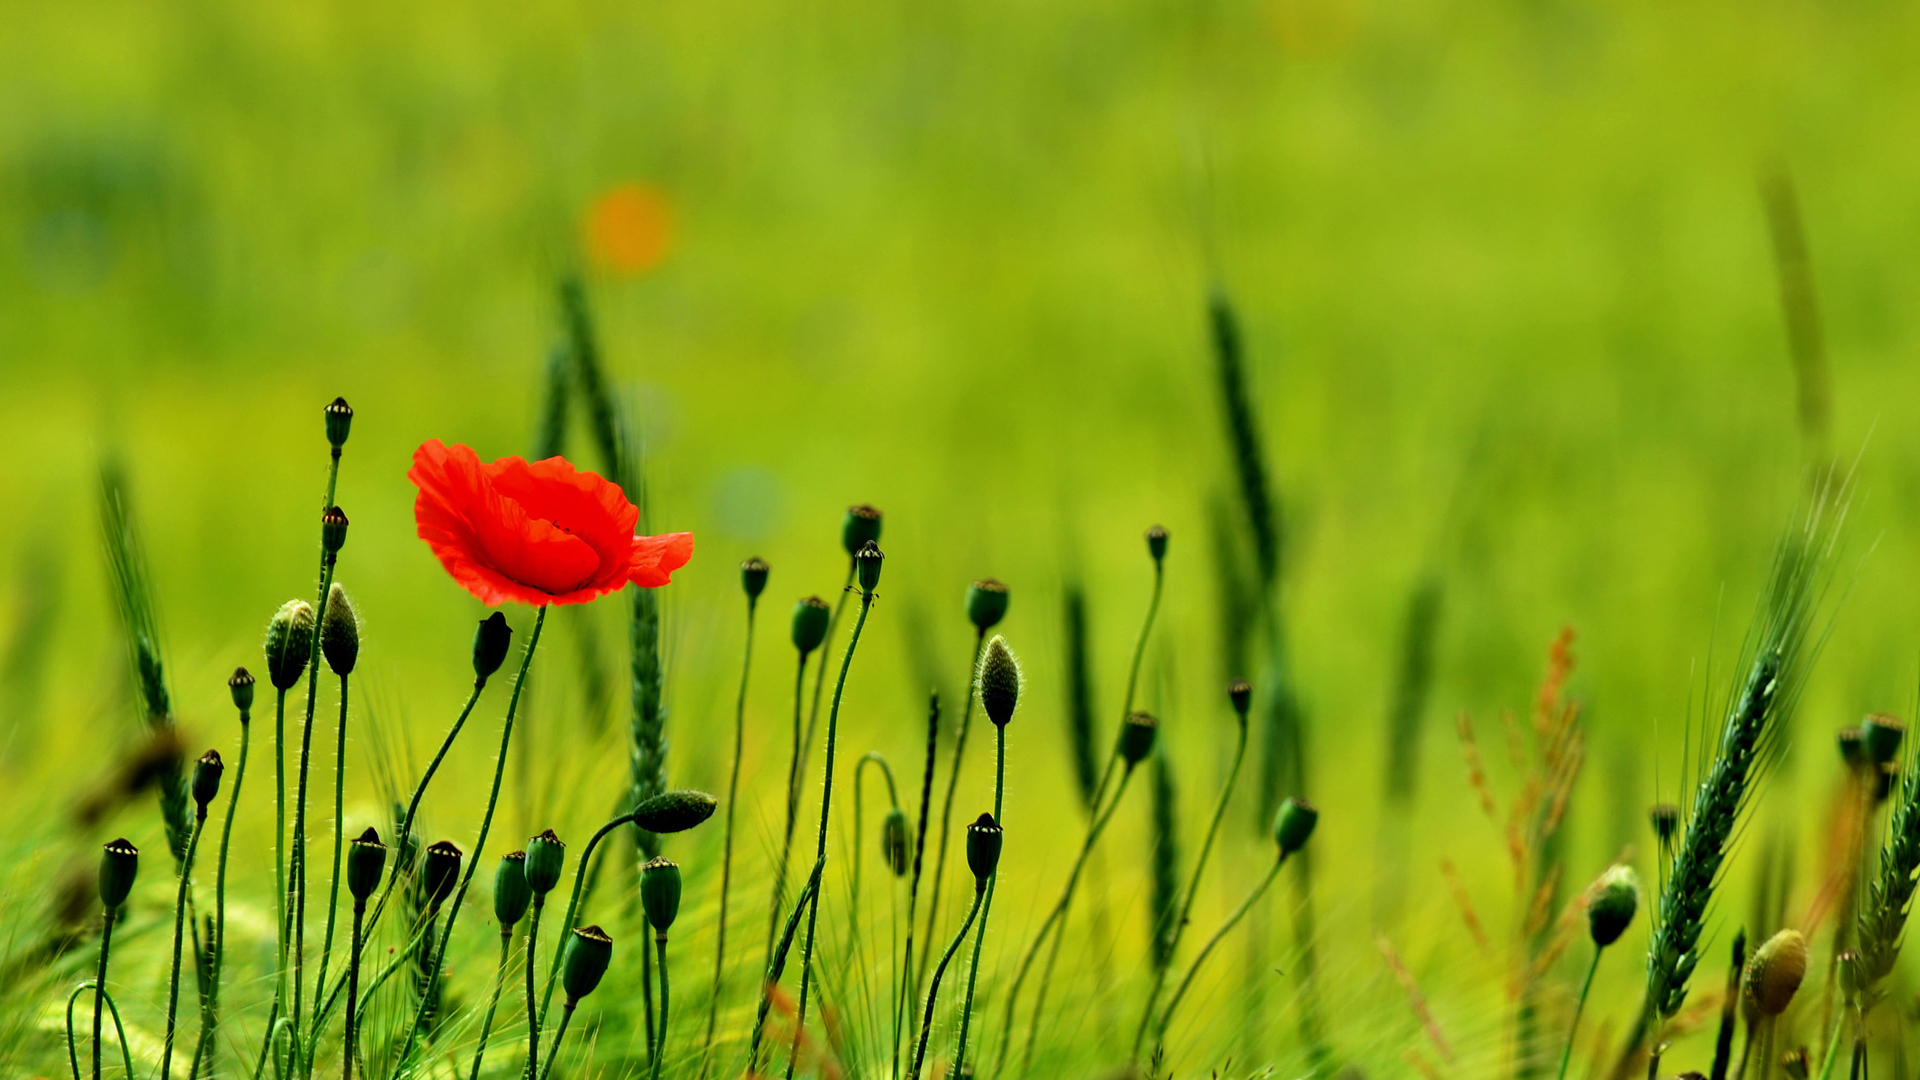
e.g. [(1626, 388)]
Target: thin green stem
[(933, 988), (793, 803), (820, 677), (1579, 1005), (986, 908), (210, 1023), (73, 1053), (493, 998), (573, 907), (533, 1017), (1133, 679), (179, 933), (560, 1033), (299, 882), (871, 757), (776, 964), (726, 851), (100, 993), (946, 805), (1193, 969), (910, 990), (353, 988), (339, 832), (660, 1047), (279, 856)]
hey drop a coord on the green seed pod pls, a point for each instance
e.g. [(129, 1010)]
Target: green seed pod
[(753, 578), (983, 848), (589, 951), (333, 530), (119, 864), (289, 641), (1665, 819), (866, 567), (339, 422), (998, 681), (442, 871), (206, 781), (340, 632), (986, 604), (660, 893), (366, 861), (1880, 734), (490, 644), (1853, 749), (895, 845), (1773, 976), (1157, 543), (810, 624), (674, 811), (511, 894), (1611, 904), (1136, 737), (859, 528), (1796, 1064), (1240, 692), (240, 685), (1293, 823), (546, 856)]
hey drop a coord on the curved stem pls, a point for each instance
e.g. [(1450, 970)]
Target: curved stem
[(793, 803), (533, 1017), (299, 882), (776, 964), (871, 757), (820, 677), (566, 1014), (1238, 914), (933, 988), (493, 998), (339, 831), (100, 993), (726, 851), (660, 1048), (179, 932), (986, 909), (910, 992), (353, 989), (210, 1021), (946, 805), (1579, 1005), (573, 908), (1133, 678), (73, 1053)]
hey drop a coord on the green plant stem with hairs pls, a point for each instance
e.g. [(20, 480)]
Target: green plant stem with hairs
[(820, 676), (493, 997), (353, 993), (946, 803), (1166, 1017), (910, 993), (660, 1044), (793, 803), (73, 1051), (776, 964), (281, 914), (986, 907), (179, 933), (933, 988), (1579, 1006), (726, 849), (871, 757), (210, 1021), (533, 947), (339, 822), (826, 811), (566, 1017), (100, 992), (573, 909)]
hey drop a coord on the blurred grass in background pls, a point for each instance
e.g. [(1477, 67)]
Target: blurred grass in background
[(1503, 270)]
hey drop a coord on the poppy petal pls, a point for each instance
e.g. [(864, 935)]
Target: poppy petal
[(655, 558)]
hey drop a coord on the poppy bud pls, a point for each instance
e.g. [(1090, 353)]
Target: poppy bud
[(1240, 692), (511, 895), (866, 567), (983, 848), (1293, 823), (753, 578), (1136, 737), (366, 861), (894, 843), (1665, 819), (1773, 975), (442, 870), (333, 530), (1880, 734), (340, 632), (545, 856), (490, 644), (660, 893), (1796, 1064), (339, 422), (119, 863), (1853, 748), (674, 811), (998, 681), (986, 604), (810, 624), (289, 642), (589, 951), (1611, 904), (241, 686), (859, 528), (206, 780), (1157, 543)]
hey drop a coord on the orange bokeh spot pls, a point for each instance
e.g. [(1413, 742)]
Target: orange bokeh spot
[(629, 229)]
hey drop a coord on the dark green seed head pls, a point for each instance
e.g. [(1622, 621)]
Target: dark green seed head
[(866, 566), (589, 951), (1880, 734), (339, 422), (1136, 737), (546, 855), (1611, 904), (859, 528), (240, 685), (1240, 692), (753, 578), (1853, 748), (986, 604), (998, 681), (1665, 819), (983, 848), (810, 624), (333, 530), (289, 641), (511, 894), (490, 644), (442, 871), (674, 811), (119, 865), (1157, 543), (1293, 824), (1796, 1064), (206, 780), (895, 843), (340, 632), (660, 893), (366, 861)]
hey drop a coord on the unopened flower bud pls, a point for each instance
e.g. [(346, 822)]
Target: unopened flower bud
[(240, 685), (333, 530), (339, 422), (1880, 735), (895, 845), (366, 861), (511, 894), (441, 872), (986, 604), (1136, 737), (810, 618), (1773, 975), (1157, 543), (206, 781), (1240, 692), (1853, 749), (866, 566), (674, 811), (546, 856), (1293, 824), (983, 848), (589, 951), (289, 642), (998, 681), (490, 644), (1796, 1064), (119, 865), (340, 632), (753, 578), (1611, 904), (859, 528), (1665, 819), (660, 893)]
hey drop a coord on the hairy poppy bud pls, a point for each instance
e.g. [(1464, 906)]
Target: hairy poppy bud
[(1665, 819), (511, 894), (545, 857), (589, 951), (289, 641), (894, 843), (660, 893), (339, 422), (986, 604), (1880, 734), (1611, 904), (1240, 692), (999, 681), (1136, 737), (753, 578), (490, 644), (1293, 824), (859, 528), (1773, 975), (1157, 543), (333, 530), (442, 870), (866, 567), (674, 811), (983, 848), (119, 864), (206, 781), (810, 624), (366, 861), (240, 685), (340, 632), (1853, 748)]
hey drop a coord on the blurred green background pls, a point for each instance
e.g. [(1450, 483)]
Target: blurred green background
[(1503, 268)]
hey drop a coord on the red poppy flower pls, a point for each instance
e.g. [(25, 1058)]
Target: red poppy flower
[(539, 533)]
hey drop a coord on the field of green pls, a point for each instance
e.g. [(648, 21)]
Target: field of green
[(1518, 342)]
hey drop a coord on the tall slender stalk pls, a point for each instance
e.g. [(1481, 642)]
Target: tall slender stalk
[(179, 933), (298, 884), (1193, 969), (910, 992), (871, 757), (100, 989), (353, 988), (986, 908), (73, 1053), (793, 803), (1579, 1006), (493, 996), (242, 685), (753, 586), (660, 1048), (946, 803), (533, 945), (339, 834), (933, 988)]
